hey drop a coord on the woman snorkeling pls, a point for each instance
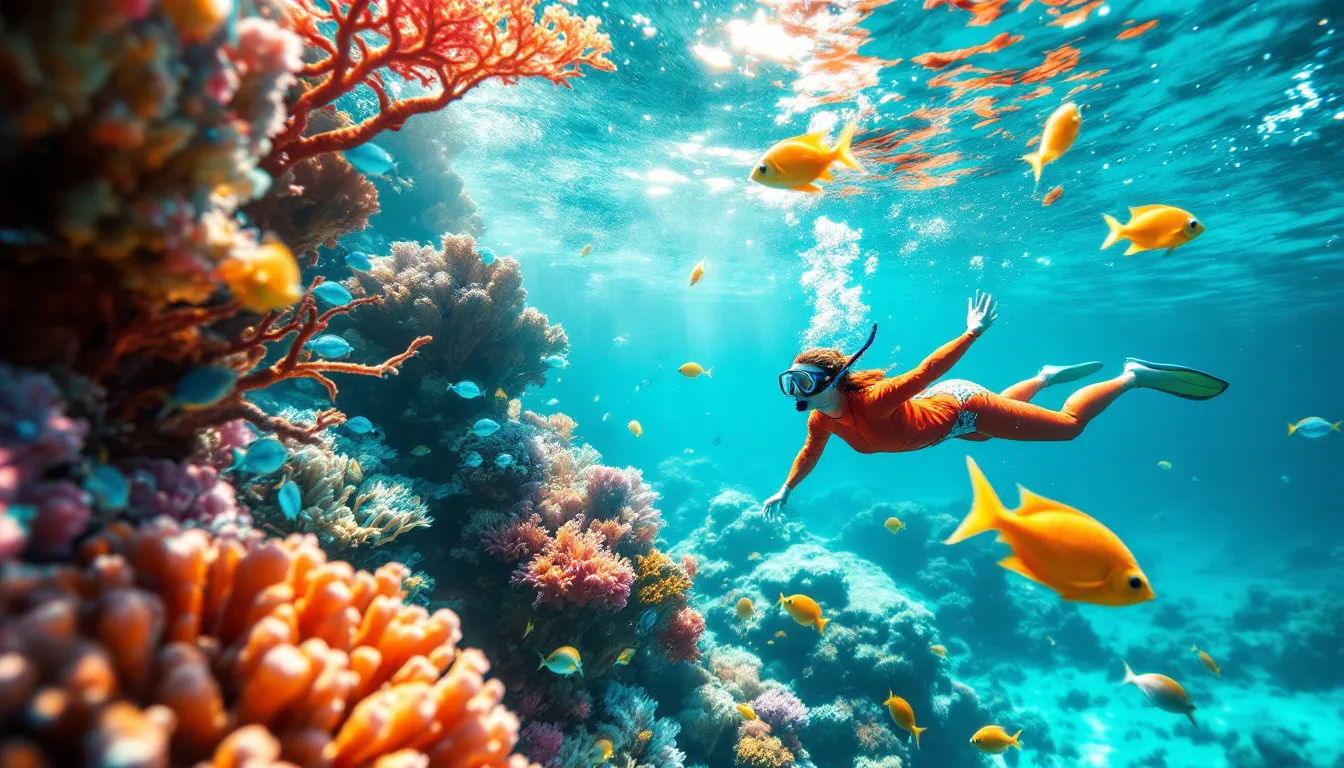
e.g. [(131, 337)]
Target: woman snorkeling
[(877, 414)]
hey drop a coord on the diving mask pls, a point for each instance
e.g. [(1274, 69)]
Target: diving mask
[(804, 380)]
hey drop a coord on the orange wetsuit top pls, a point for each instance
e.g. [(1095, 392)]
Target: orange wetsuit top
[(883, 418)]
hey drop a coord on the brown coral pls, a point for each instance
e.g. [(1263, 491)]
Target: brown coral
[(315, 203), (169, 648)]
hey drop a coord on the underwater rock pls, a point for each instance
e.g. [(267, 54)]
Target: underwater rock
[(1297, 637), (437, 201)]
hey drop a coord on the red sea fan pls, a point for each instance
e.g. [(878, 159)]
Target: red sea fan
[(680, 641), (576, 569)]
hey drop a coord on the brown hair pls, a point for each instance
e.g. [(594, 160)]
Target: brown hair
[(832, 360)]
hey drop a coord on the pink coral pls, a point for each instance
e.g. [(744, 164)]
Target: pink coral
[(186, 492), (620, 494), (62, 512), (517, 538), (217, 444), (680, 641), (541, 741), (577, 569)]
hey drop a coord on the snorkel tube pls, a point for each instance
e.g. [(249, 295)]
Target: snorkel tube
[(801, 403)]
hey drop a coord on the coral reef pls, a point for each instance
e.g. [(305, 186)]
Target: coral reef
[(314, 203), (186, 492), (175, 647), (575, 568), (1295, 637), (781, 709), (680, 638), (756, 748)]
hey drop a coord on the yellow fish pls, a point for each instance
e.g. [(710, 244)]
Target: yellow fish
[(1208, 661), (747, 712), (500, 394), (587, 249), (903, 715), (939, 651), (805, 611), (1162, 692), (529, 629), (769, 642), (420, 450), (564, 660), (635, 428), (798, 162), (1056, 546), (780, 633), (600, 752), (745, 609), (894, 525), (355, 471), (694, 370), (1061, 130), (697, 272), (1152, 227), (263, 279), (994, 740), (1164, 464), (626, 656)]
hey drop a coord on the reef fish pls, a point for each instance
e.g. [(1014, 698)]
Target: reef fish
[(697, 272), (503, 461), (420, 450), (600, 752), (466, 390), (626, 656), (805, 611), (487, 256), (555, 361), (587, 249), (1208, 661), (472, 459), (358, 260), (262, 457), (695, 371), (359, 425), (1061, 130), (747, 712), (1056, 546), (485, 428), (291, 500), (528, 630), (108, 487), (1313, 426), (1153, 227), (333, 293), (330, 345), (894, 525), (646, 621), (939, 651), (635, 428), (993, 740), (903, 714), (563, 661), (369, 158), (781, 633), (799, 162), (1162, 692), (745, 608), (203, 386), (264, 278), (1164, 464), (619, 340)]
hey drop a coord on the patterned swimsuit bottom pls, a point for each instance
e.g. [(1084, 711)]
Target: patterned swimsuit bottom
[(963, 391)]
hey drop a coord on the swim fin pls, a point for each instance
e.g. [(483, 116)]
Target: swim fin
[(1175, 379), (1063, 374)]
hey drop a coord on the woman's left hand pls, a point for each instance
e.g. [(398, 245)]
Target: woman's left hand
[(981, 312)]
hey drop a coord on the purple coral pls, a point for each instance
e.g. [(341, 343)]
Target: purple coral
[(781, 709), (541, 742), (186, 492), (621, 494)]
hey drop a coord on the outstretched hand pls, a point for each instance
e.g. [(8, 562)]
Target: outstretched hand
[(981, 312), (773, 508)]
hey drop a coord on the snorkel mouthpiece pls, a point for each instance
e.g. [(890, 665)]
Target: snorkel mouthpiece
[(800, 405)]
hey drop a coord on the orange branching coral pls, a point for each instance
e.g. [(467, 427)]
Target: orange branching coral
[(316, 202), (445, 46), (763, 752), (659, 580), (558, 424), (169, 647)]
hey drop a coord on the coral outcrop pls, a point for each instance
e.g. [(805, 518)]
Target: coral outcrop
[(315, 203), (435, 201)]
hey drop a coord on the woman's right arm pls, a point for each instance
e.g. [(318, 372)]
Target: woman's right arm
[(817, 436), (889, 394)]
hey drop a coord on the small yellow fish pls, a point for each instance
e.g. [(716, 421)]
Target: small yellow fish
[(587, 249), (1061, 130), (939, 651), (694, 371), (769, 642), (904, 715), (1164, 464), (799, 162), (529, 629), (600, 752), (625, 657), (745, 609), (420, 450), (805, 611), (1153, 227), (747, 712), (634, 427), (697, 273), (780, 633), (1208, 661), (894, 525), (564, 660), (500, 394), (355, 471), (993, 740), (263, 279)]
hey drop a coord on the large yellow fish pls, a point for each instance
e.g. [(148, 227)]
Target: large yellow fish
[(992, 739), (696, 273), (625, 657), (635, 428), (798, 162), (695, 370), (745, 609), (263, 279), (805, 611), (894, 525), (1208, 661), (904, 715), (1061, 130), (563, 661), (746, 711), (1056, 546), (1153, 227)]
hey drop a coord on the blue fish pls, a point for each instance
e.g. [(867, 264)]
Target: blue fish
[(487, 256), (466, 389), (472, 459), (108, 487), (330, 345), (358, 260), (371, 159), (290, 500), (204, 386), (485, 428), (359, 425), (503, 460), (556, 361), (261, 457), (333, 293), (646, 621)]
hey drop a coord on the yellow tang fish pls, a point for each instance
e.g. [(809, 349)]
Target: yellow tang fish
[(625, 657), (1061, 130), (263, 279), (1208, 661), (1056, 546), (904, 715), (745, 609), (805, 611), (894, 525), (564, 660), (697, 272), (993, 740), (747, 712), (528, 630), (600, 752), (798, 162), (1153, 227), (635, 428), (695, 370), (939, 651)]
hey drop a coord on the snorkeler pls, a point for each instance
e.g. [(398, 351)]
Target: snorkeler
[(876, 414)]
